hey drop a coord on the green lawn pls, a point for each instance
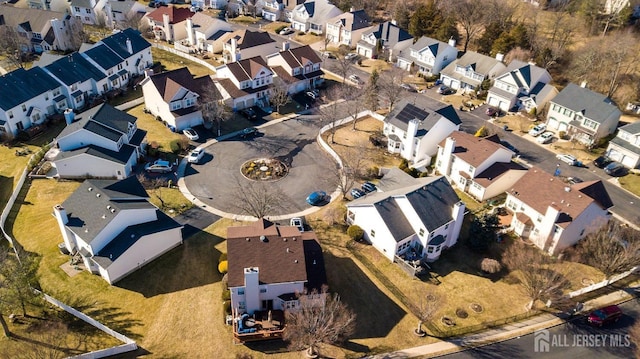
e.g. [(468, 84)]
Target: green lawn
[(631, 183), (171, 62), (156, 130)]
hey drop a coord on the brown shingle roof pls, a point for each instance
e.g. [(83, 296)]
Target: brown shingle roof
[(170, 82), (247, 69), (235, 92), (539, 190), (279, 257), (496, 171), (285, 76), (304, 54), (176, 14), (471, 149), (247, 38)]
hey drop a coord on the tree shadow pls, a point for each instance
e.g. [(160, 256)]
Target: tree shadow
[(502, 350), (193, 264)]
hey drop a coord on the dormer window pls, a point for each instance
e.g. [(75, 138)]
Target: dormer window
[(175, 105)]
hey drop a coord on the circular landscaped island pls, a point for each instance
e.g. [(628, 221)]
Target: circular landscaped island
[(264, 169)]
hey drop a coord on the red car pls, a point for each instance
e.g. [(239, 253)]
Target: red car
[(604, 316)]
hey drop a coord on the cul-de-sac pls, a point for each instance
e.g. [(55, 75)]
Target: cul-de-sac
[(320, 179)]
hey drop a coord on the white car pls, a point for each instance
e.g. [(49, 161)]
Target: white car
[(568, 159), (297, 222), (355, 79), (191, 134), (537, 130), (195, 156), (545, 137), (159, 166), (350, 56), (286, 31)]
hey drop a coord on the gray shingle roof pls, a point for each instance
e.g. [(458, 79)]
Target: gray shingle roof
[(405, 112), (104, 120), (74, 68), (632, 128), (29, 19), (120, 157), (480, 63), (626, 145), (391, 34), (87, 206), (82, 3), (118, 42), (103, 56), (353, 20), (592, 105), (23, 85)]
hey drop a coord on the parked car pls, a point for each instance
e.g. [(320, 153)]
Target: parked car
[(351, 56), (368, 187), (509, 146), (196, 9), (159, 166), (568, 159), (602, 161), (249, 132), (355, 79), (615, 169), (492, 111), (329, 55), (195, 156), (191, 134), (317, 198), (357, 193), (605, 316), (249, 113), (537, 130), (408, 87), (312, 95), (297, 222), (447, 91), (545, 138), (574, 180), (286, 31)]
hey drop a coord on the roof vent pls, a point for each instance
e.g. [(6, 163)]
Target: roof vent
[(133, 236), (90, 189), (108, 206), (98, 195), (288, 250), (567, 189), (263, 238), (104, 216), (294, 238), (248, 239), (284, 239), (295, 261), (113, 210), (86, 230)]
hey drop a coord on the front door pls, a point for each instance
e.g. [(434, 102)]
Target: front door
[(267, 304)]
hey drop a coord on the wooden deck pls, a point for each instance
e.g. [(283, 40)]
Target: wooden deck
[(267, 327)]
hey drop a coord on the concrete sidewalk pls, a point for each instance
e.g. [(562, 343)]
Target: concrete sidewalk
[(507, 331)]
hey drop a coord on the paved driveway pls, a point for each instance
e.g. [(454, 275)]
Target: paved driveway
[(216, 181)]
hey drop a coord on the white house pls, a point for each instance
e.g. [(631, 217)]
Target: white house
[(79, 78), (414, 131), (273, 10), (173, 96), (244, 83), (429, 56), (203, 33), (299, 68), (469, 71), (42, 30), (392, 39), (553, 214), (245, 44), (585, 115), (415, 222), (52, 5), (347, 28), (312, 15), (84, 10), (522, 86), (122, 13), (479, 166), (114, 228), (168, 22), (29, 96), (269, 266), (102, 142), (625, 147)]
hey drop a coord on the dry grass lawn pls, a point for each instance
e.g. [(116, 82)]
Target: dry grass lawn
[(172, 62), (307, 38), (369, 65), (156, 130)]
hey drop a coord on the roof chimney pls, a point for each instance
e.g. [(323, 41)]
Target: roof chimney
[(583, 84), (500, 57), (352, 9), (285, 46), (452, 42), (394, 22), (129, 47)]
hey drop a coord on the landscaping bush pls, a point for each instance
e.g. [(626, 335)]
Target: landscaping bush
[(223, 267), (423, 174), (404, 164), (226, 295), (222, 258), (412, 172), (562, 135), (355, 232), (175, 146), (153, 149), (490, 265), (373, 172), (22, 136)]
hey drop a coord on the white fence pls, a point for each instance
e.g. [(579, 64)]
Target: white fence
[(185, 55), (7, 209), (604, 283), (133, 103)]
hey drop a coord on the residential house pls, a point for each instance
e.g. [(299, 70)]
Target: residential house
[(429, 56), (289, 7), (41, 30), (122, 14), (625, 147), (414, 131), (102, 142), (244, 44), (273, 10), (85, 11), (172, 96), (29, 96), (114, 228), (312, 15), (414, 222), (583, 114), (245, 83), (553, 214), (391, 39), (79, 78), (210, 4), (469, 71), (298, 68), (50, 5), (347, 28), (203, 33), (269, 267), (479, 166), (522, 86), (169, 22)]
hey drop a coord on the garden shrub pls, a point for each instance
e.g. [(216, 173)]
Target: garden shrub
[(355, 232), (223, 267), (175, 146), (223, 257)]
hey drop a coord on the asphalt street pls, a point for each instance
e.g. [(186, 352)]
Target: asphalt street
[(574, 339)]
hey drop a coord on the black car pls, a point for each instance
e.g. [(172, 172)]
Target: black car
[(368, 187), (249, 113), (615, 169), (602, 161), (509, 146), (249, 132)]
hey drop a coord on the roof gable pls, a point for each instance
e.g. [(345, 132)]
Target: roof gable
[(103, 120), (74, 68), (471, 149), (590, 104), (102, 55), (118, 42), (23, 85), (176, 14)]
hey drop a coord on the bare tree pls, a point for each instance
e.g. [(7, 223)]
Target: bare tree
[(345, 176), (320, 318), (472, 16), (212, 106), (371, 92), (131, 20), (257, 199), (331, 111), (426, 307), (13, 45), (538, 280), (77, 35), (389, 85), (613, 248), (342, 64), (279, 93), (550, 46), (355, 103)]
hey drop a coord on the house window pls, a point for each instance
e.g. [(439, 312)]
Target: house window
[(421, 232), (372, 233), (556, 108), (46, 97), (430, 249), (539, 219), (477, 186), (471, 169), (20, 126), (241, 291), (351, 216), (446, 226), (590, 124), (56, 92), (77, 9), (119, 66), (24, 108), (35, 117), (175, 105), (10, 114), (581, 232), (263, 290), (190, 102), (114, 82), (87, 19), (88, 11), (105, 87)]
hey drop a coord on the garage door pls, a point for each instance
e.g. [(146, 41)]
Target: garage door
[(615, 155), (494, 101), (628, 161), (447, 82), (455, 84)]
